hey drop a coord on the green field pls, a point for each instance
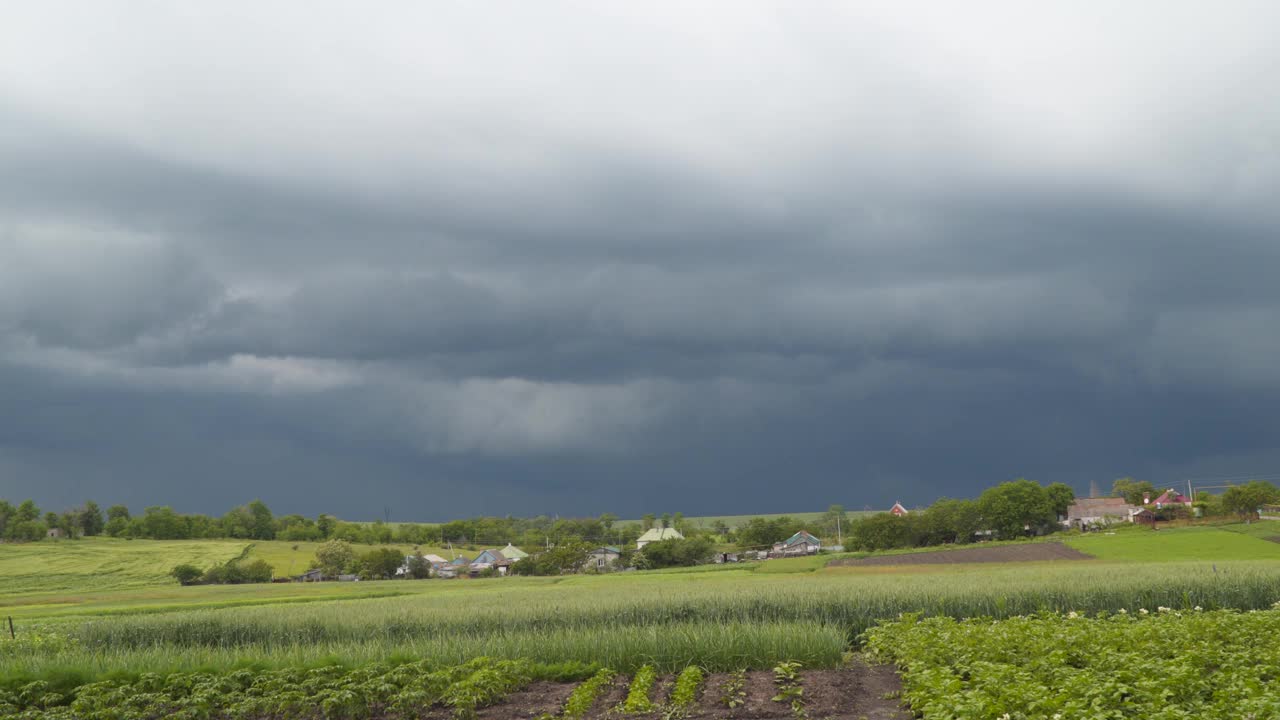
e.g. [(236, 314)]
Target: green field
[(107, 607), (1178, 544), (78, 566), (733, 521)]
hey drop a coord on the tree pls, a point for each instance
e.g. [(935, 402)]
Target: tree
[(160, 522), (28, 511), (721, 528), (186, 573), (419, 568), (647, 521), (335, 557), (1016, 507), (666, 520), (1061, 496), (882, 531), (90, 519), (835, 521), (380, 563), (677, 553), (1246, 500), (1132, 490), (326, 524), (117, 520), (607, 520)]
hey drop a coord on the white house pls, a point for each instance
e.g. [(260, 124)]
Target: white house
[(655, 534)]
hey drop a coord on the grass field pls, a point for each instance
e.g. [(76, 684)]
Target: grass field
[(78, 566), (292, 558), (1177, 544), (733, 521)]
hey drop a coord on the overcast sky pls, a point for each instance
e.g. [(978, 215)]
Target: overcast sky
[(465, 258)]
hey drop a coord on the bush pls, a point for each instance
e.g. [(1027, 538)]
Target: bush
[(186, 574), (676, 553)]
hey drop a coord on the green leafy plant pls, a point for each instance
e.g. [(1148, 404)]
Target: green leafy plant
[(733, 693), (584, 696), (786, 676), (685, 693), (638, 693)]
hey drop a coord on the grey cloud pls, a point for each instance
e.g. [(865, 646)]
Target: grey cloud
[(617, 258)]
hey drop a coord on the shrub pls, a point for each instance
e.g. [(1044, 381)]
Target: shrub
[(186, 573)]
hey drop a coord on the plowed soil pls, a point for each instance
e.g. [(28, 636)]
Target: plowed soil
[(857, 692), (1031, 552), (851, 693)]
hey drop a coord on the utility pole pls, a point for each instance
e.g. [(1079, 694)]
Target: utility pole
[(839, 536)]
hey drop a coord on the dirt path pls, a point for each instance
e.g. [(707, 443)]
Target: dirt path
[(1031, 552)]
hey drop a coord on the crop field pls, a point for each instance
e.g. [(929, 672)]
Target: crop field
[(724, 620), (1162, 662), (78, 566)]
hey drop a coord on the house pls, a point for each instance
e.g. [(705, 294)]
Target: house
[(486, 560), (604, 557), (513, 553), (655, 535), (1085, 512), (802, 543), (447, 571), (54, 533), (315, 575), (349, 578), (898, 510), (726, 557), (1172, 497), (434, 561), (1143, 516)]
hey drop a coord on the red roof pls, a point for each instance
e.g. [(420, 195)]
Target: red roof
[(1172, 497)]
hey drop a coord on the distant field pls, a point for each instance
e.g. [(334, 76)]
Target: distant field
[(104, 563), (733, 521), (1175, 544), (292, 558)]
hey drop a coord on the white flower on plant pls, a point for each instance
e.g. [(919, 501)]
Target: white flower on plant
[(1123, 611), (1072, 615), (1142, 611), (1198, 608), (1162, 609)]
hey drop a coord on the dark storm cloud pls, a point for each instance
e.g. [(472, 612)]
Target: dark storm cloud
[(627, 264)]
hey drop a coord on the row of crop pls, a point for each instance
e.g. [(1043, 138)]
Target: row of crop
[(1156, 663), (625, 648), (408, 690), (854, 603)]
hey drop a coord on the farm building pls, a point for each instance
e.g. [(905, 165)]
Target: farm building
[(513, 553), (898, 510), (315, 575), (1172, 497), (1098, 511), (655, 534), (603, 557), (488, 559), (802, 543)]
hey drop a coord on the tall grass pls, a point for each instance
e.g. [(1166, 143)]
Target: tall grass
[(669, 648), (719, 620), (852, 602)]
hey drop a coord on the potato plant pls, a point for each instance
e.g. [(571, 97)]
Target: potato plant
[(1156, 664)]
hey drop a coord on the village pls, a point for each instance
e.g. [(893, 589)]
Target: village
[(605, 558)]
